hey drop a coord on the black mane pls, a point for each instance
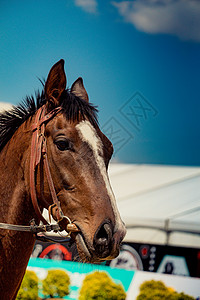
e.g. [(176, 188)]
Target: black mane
[(74, 108)]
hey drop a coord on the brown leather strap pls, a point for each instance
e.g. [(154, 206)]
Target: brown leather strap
[(34, 150), (38, 150), (45, 118), (59, 215)]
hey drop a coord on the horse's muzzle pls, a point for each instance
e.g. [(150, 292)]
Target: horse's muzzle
[(105, 244)]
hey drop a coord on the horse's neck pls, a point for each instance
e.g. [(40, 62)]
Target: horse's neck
[(13, 192), (15, 208)]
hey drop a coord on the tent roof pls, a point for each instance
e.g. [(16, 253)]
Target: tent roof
[(5, 106), (155, 200)]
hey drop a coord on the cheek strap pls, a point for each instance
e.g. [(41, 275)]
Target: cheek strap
[(38, 154)]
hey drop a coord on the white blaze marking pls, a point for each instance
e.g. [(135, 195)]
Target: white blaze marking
[(88, 134)]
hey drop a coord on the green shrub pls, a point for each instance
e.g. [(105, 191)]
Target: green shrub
[(100, 286), (152, 284), (29, 287), (181, 296), (156, 290), (56, 284)]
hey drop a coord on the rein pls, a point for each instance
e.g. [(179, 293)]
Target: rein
[(39, 154)]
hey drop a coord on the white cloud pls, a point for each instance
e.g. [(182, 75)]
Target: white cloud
[(177, 17), (87, 5)]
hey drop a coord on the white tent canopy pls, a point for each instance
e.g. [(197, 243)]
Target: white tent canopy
[(5, 106), (159, 204)]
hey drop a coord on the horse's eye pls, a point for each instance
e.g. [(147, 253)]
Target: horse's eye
[(63, 144)]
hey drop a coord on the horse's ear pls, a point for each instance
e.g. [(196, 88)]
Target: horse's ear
[(79, 90), (55, 84)]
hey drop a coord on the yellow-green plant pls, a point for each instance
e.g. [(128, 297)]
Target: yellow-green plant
[(29, 287), (99, 286), (56, 284), (157, 290)]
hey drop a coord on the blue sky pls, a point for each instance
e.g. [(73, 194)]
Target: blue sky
[(140, 61)]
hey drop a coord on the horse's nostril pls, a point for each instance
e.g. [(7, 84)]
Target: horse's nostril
[(103, 239), (104, 234), (108, 231)]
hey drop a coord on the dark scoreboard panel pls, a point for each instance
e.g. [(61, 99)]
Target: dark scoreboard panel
[(134, 256), (158, 258)]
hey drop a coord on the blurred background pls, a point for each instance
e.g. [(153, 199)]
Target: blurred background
[(140, 62)]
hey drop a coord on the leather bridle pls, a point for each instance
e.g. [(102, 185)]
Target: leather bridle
[(39, 155)]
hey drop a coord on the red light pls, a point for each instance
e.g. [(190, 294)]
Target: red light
[(144, 251)]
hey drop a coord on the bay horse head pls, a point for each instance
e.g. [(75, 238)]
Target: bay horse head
[(64, 125), (79, 154), (75, 188)]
